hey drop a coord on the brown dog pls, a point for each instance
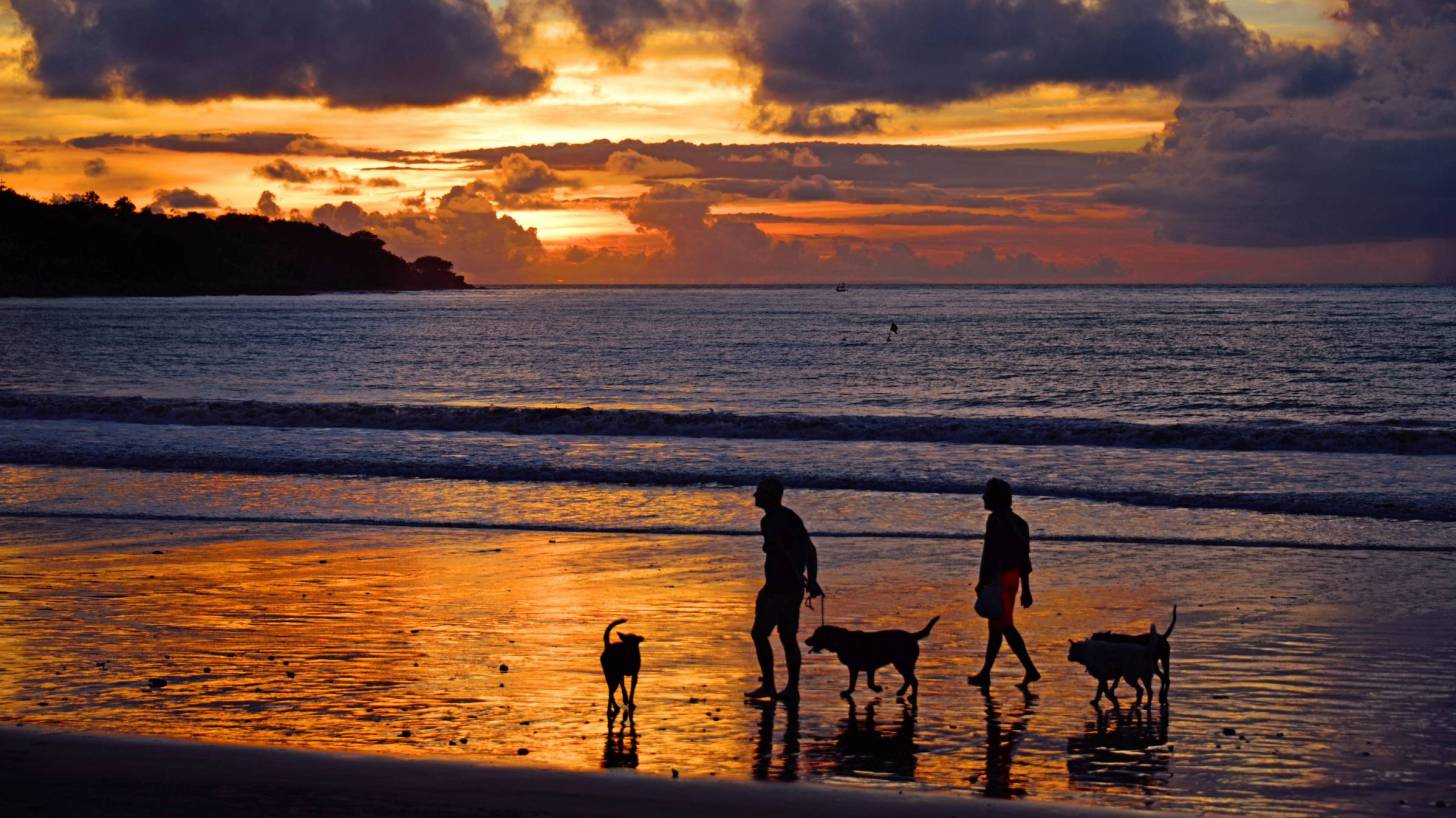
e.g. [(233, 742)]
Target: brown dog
[(870, 651), (619, 660)]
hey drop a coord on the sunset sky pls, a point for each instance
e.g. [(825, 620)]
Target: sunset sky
[(725, 141)]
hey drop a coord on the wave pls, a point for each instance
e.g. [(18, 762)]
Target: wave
[(1431, 508), (1414, 437), (570, 528)]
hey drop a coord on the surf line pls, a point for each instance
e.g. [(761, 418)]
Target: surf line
[(569, 528)]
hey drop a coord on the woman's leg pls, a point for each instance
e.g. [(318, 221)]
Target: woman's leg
[(993, 647), (1018, 646)]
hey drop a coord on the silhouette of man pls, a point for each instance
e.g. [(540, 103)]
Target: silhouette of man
[(788, 555)]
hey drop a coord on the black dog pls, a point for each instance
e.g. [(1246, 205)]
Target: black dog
[(871, 651), (620, 660), (1162, 653)]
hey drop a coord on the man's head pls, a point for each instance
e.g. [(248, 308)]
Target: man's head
[(998, 495), (769, 494)]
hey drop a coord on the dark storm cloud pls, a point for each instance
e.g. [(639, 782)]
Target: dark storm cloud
[(932, 52), (618, 26), (182, 198), (1264, 179), (1373, 160), (808, 121), (355, 53)]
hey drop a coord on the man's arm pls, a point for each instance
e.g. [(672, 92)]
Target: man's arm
[(811, 566)]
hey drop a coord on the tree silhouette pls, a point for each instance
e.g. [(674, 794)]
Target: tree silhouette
[(79, 245)]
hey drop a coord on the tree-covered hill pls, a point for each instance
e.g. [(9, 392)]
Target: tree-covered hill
[(82, 246)]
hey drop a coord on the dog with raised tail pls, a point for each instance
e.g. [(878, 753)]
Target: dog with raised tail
[(1161, 648), (872, 650), (621, 659), (1110, 662)]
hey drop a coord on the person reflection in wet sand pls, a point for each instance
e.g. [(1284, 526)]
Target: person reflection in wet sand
[(790, 566), (1005, 561), (1121, 749), (1002, 738), (861, 747), (763, 751), (621, 750)]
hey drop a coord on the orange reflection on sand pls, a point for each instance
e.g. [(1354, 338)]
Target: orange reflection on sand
[(481, 644)]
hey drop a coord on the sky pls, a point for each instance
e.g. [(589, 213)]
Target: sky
[(748, 141)]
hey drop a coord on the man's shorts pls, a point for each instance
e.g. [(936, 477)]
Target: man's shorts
[(773, 610)]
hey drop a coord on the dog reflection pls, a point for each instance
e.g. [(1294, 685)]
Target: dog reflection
[(763, 755), (621, 750), (1121, 748), (1004, 731), (864, 745)]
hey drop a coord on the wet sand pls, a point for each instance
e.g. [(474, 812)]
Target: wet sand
[(1289, 696), (57, 774)]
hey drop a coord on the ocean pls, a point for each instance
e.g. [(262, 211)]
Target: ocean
[(1269, 459)]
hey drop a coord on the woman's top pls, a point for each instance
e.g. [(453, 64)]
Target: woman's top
[(1007, 546)]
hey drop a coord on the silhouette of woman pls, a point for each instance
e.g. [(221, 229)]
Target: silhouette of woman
[(1005, 561)]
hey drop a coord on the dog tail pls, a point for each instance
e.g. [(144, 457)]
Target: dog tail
[(1169, 631), (607, 634), (925, 631)]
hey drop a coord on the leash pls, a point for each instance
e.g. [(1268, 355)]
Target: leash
[(823, 606)]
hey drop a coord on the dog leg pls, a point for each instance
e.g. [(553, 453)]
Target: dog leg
[(1112, 695), (853, 678), (1101, 688), (1164, 673), (631, 699), (870, 681), (907, 672), (611, 698)]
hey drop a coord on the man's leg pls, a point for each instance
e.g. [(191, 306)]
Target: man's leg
[(763, 625), (788, 625)]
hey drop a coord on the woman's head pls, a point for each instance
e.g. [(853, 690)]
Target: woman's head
[(998, 494)]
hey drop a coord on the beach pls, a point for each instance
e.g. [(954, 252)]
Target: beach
[(455, 643)]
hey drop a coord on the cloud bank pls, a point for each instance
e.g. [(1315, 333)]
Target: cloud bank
[(356, 53), (1372, 161)]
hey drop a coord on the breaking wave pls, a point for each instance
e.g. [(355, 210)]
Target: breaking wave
[(1413, 437)]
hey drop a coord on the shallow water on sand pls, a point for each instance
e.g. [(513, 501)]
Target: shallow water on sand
[(1304, 681)]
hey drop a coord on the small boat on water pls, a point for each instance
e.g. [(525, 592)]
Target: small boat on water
[(841, 288)]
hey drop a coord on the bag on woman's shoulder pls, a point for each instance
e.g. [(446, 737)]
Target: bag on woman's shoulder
[(988, 601)]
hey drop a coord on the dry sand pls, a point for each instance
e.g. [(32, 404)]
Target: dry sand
[(46, 773)]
